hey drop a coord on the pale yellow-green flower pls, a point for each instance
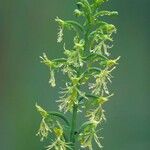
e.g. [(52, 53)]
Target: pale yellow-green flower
[(44, 129), (59, 143), (102, 79), (51, 65)]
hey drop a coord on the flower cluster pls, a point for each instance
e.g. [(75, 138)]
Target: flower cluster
[(74, 56), (101, 37), (44, 129), (88, 134), (96, 115), (51, 126), (100, 85), (59, 143), (51, 66), (88, 68)]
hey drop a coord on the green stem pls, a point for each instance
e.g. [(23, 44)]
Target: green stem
[(73, 126), (75, 107)]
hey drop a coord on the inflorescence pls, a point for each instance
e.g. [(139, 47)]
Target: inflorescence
[(86, 64)]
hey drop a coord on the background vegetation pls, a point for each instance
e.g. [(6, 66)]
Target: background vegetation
[(25, 32)]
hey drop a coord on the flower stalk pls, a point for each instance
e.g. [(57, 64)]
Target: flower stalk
[(73, 126), (88, 66)]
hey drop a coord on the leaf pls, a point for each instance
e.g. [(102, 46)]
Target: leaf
[(59, 115)]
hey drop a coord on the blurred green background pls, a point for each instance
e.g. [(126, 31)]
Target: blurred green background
[(27, 29)]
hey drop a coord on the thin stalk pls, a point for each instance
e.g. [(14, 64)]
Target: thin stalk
[(75, 107), (73, 125)]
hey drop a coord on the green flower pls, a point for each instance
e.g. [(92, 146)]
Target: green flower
[(103, 99), (46, 61), (99, 2), (101, 37), (78, 13), (60, 35), (52, 78), (43, 112), (112, 62), (68, 98), (70, 95), (101, 49), (89, 134), (96, 115), (51, 66), (44, 129), (74, 57), (61, 28), (105, 13), (59, 143), (100, 85)]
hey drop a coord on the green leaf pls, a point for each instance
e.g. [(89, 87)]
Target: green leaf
[(59, 115), (75, 24)]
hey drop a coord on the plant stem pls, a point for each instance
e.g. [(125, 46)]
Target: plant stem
[(73, 126), (75, 107)]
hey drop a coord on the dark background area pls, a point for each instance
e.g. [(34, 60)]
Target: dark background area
[(27, 29)]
